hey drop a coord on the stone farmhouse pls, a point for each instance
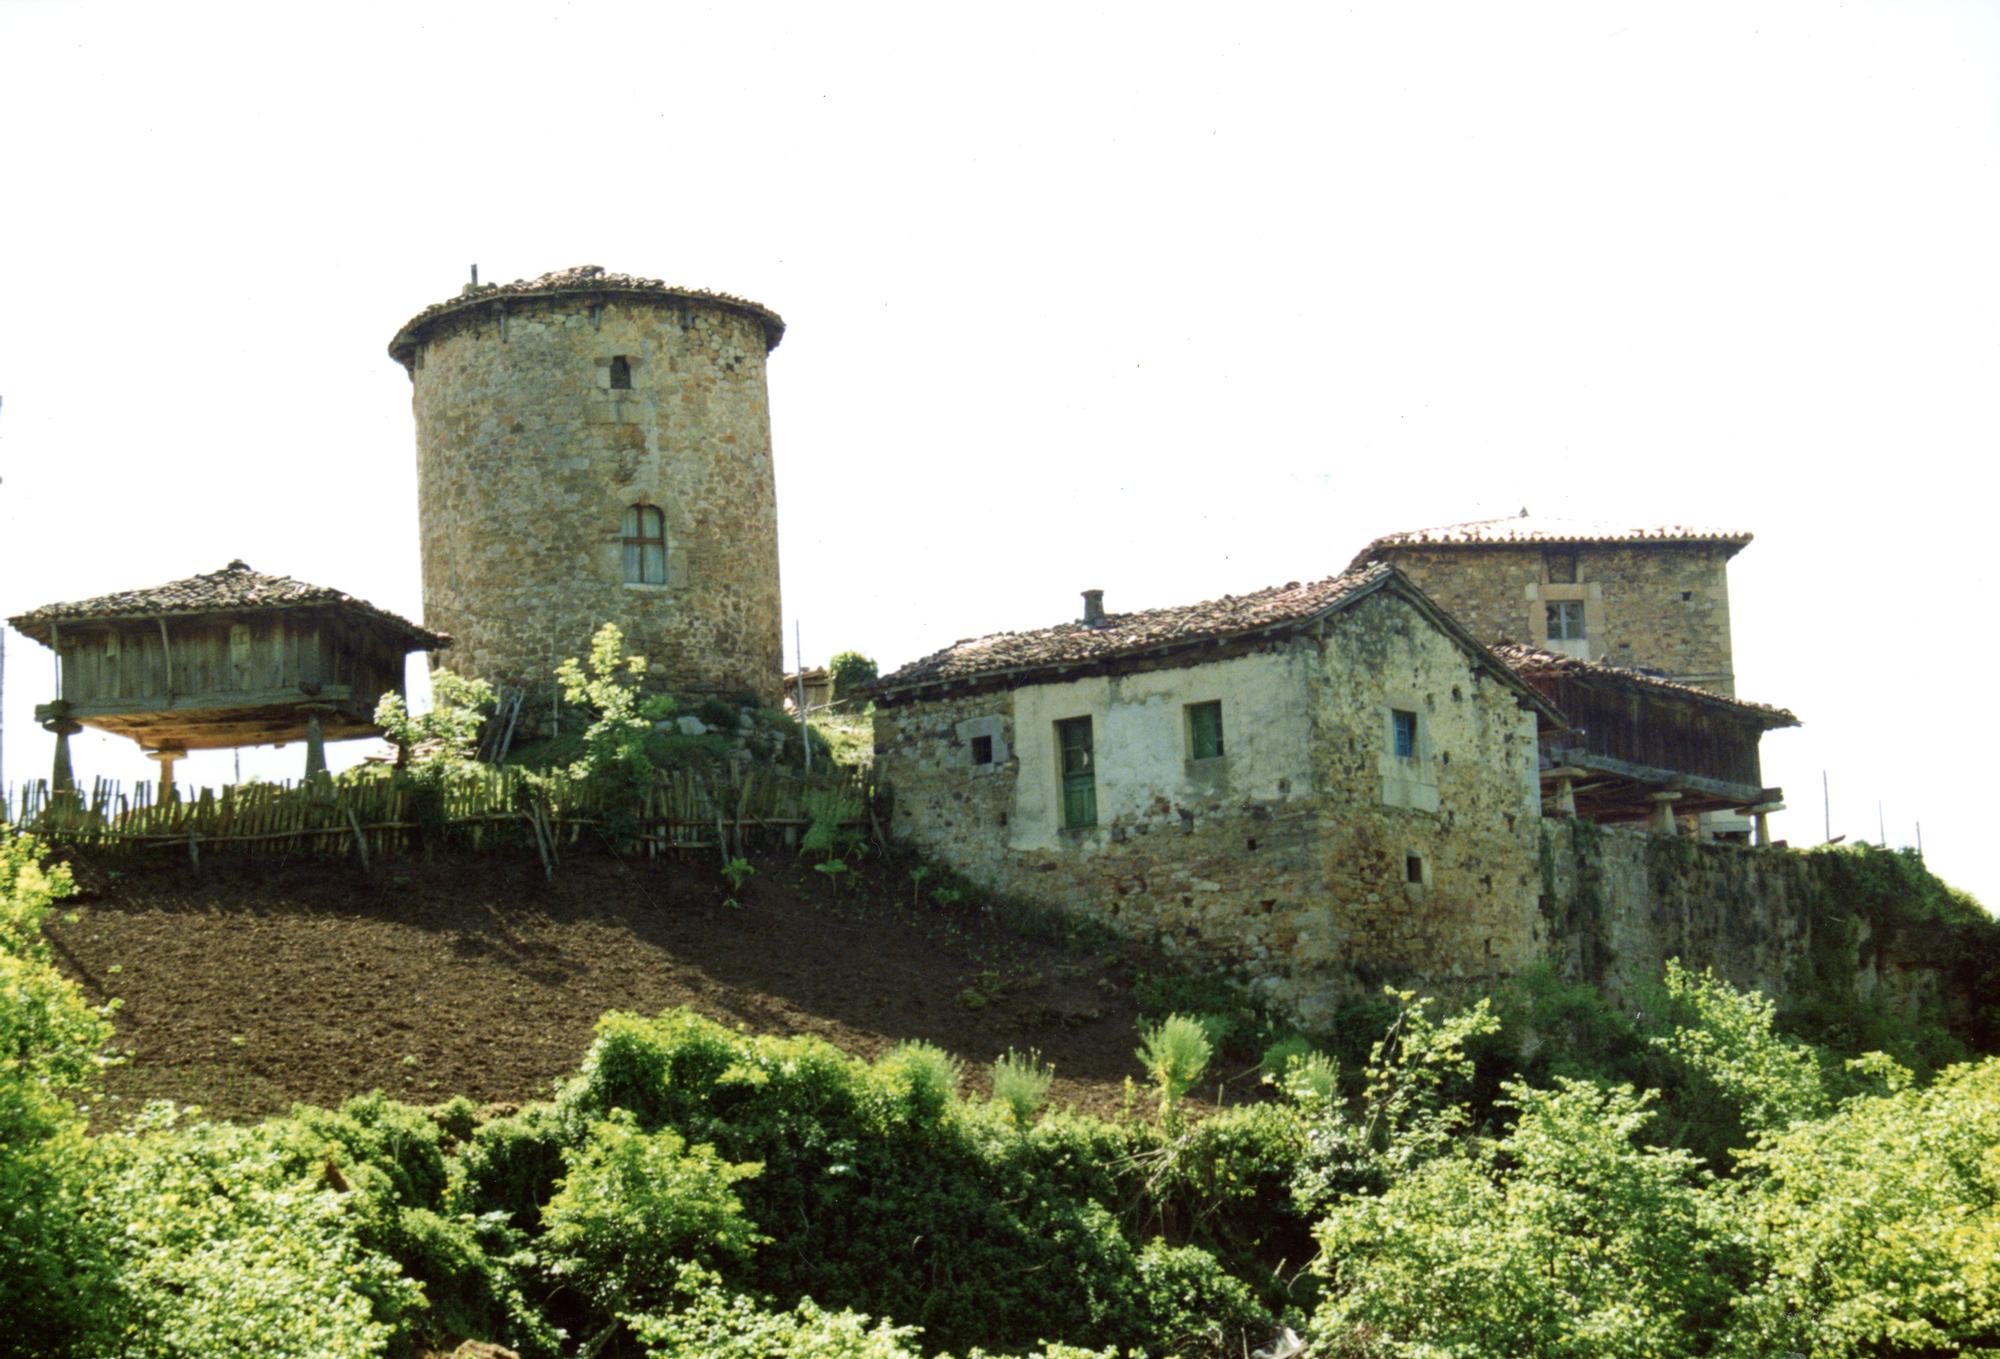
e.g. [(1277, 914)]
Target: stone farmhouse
[(1344, 781), (1319, 781)]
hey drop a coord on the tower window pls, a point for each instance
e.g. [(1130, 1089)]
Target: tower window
[(621, 372), (645, 545)]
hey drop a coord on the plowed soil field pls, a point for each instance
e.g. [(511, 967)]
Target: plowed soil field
[(252, 985)]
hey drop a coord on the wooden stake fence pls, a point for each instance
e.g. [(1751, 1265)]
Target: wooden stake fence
[(681, 811)]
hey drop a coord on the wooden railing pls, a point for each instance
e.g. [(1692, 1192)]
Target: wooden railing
[(726, 810)]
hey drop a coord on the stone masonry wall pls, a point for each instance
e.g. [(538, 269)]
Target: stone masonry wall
[(1664, 605), (1619, 903), (1288, 857), (527, 458)]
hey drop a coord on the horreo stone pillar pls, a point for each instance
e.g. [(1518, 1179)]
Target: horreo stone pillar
[(1663, 821), (62, 778), (166, 757)]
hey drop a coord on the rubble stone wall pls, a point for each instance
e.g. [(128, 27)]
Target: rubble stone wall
[(1664, 605), (1619, 903), (527, 458), (1289, 858)]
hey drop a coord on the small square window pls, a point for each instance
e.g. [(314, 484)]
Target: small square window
[(1404, 726), (1565, 620), (1204, 731), (982, 750)]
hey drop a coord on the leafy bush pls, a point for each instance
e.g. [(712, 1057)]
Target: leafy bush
[(53, 1262), (1564, 1238), (1877, 1228), (635, 1206), (510, 1166), (848, 671), (888, 1200), (927, 1076), (225, 1248), (606, 683)]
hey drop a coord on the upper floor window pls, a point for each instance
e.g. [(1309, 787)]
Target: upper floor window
[(645, 542), (621, 371), (1565, 620), (1403, 733)]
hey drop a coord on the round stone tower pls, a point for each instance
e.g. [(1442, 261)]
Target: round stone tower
[(595, 448)]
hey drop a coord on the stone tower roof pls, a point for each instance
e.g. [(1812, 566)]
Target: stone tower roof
[(584, 280), (1526, 529)]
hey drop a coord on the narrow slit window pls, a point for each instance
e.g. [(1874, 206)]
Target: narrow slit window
[(1413, 868), (621, 372), (982, 750), (1204, 731), (1403, 728), (645, 545)]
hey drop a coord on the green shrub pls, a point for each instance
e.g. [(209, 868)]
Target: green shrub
[(709, 1322), (1186, 1303), (54, 1262), (224, 1248), (1175, 1053), (848, 671), (924, 1075), (1020, 1085), (510, 1166), (636, 1205)]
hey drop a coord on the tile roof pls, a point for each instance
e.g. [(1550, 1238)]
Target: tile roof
[(1531, 663), (583, 279), (1541, 528), (235, 587)]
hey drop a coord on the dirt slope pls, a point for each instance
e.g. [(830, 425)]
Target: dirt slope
[(258, 984)]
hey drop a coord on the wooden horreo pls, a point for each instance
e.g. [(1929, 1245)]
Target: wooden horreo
[(231, 658)]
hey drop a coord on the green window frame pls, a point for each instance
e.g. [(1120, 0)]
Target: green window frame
[(1204, 727), (1076, 759)]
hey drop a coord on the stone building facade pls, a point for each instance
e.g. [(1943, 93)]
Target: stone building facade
[(1649, 597), (596, 448), (1323, 784)]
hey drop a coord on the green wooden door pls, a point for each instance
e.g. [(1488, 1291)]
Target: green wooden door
[(1079, 773)]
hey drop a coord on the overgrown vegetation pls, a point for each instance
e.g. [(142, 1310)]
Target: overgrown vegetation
[(1534, 1174)]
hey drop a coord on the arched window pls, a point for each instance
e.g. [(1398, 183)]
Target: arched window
[(621, 372), (645, 545)]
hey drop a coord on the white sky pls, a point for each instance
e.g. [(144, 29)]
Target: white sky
[(1132, 297)]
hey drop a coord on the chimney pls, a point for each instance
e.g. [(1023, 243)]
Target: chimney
[(1093, 607)]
